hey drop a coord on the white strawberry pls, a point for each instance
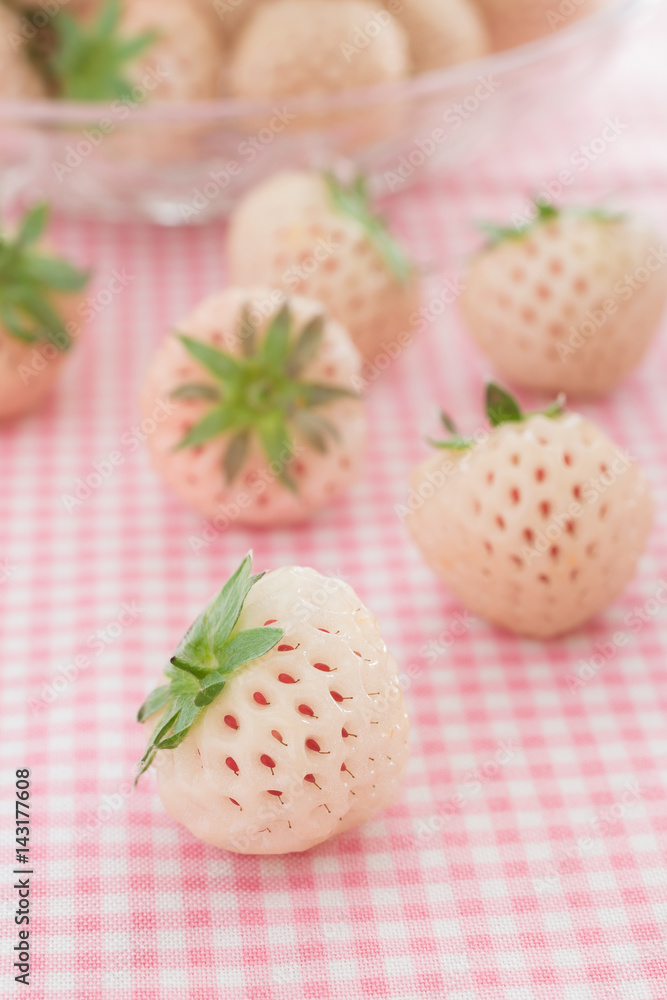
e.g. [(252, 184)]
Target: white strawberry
[(39, 301), (281, 722), (537, 525), (310, 233), (569, 302), (442, 32), (264, 426)]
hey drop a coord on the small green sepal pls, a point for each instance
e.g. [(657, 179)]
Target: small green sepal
[(211, 652)]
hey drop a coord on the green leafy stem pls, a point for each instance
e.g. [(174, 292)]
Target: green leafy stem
[(354, 200), (209, 654), (545, 213), (91, 59)]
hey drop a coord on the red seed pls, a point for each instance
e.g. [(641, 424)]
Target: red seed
[(357, 654), (286, 679), (306, 710), (231, 722), (336, 696), (310, 777), (276, 735), (539, 475), (515, 495), (267, 761), (234, 801), (259, 698), (322, 666), (313, 745), (284, 648), (271, 621), (272, 791), (323, 630), (232, 765), (344, 733)]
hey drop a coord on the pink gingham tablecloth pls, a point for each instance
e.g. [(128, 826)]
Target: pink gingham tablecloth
[(525, 858)]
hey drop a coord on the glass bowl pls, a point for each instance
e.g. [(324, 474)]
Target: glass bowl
[(180, 164)]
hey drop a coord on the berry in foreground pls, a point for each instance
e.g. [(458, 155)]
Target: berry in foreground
[(538, 524), (281, 722), (39, 302), (313, 234), (569, 302), (262, 426)]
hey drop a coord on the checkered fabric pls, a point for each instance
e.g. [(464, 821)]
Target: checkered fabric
[(525, 858)]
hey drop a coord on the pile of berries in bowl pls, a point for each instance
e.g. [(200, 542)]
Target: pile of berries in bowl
[(170, 110)]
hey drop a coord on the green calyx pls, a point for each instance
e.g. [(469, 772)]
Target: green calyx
[(500, 234), (261, 394), (545, 213), (28, 282), (354, 200), (210, 653), (501, 408), (90, 60)]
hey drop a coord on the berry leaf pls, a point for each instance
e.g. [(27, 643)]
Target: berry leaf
[(306, 347), (448, 423), (354, 200), (262, 394), (91, 60), (247, 333), (247, 646), (32, 227), (222, 365), (275, 348), (277, 443), (215, 422), (160, 697), (207, 657), (320, 395), (454, 444), (501, 408), (197, 391), (315, 429), (30, 283), (236, 454)]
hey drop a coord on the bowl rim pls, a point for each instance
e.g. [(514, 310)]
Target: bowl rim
[(232, 109)]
